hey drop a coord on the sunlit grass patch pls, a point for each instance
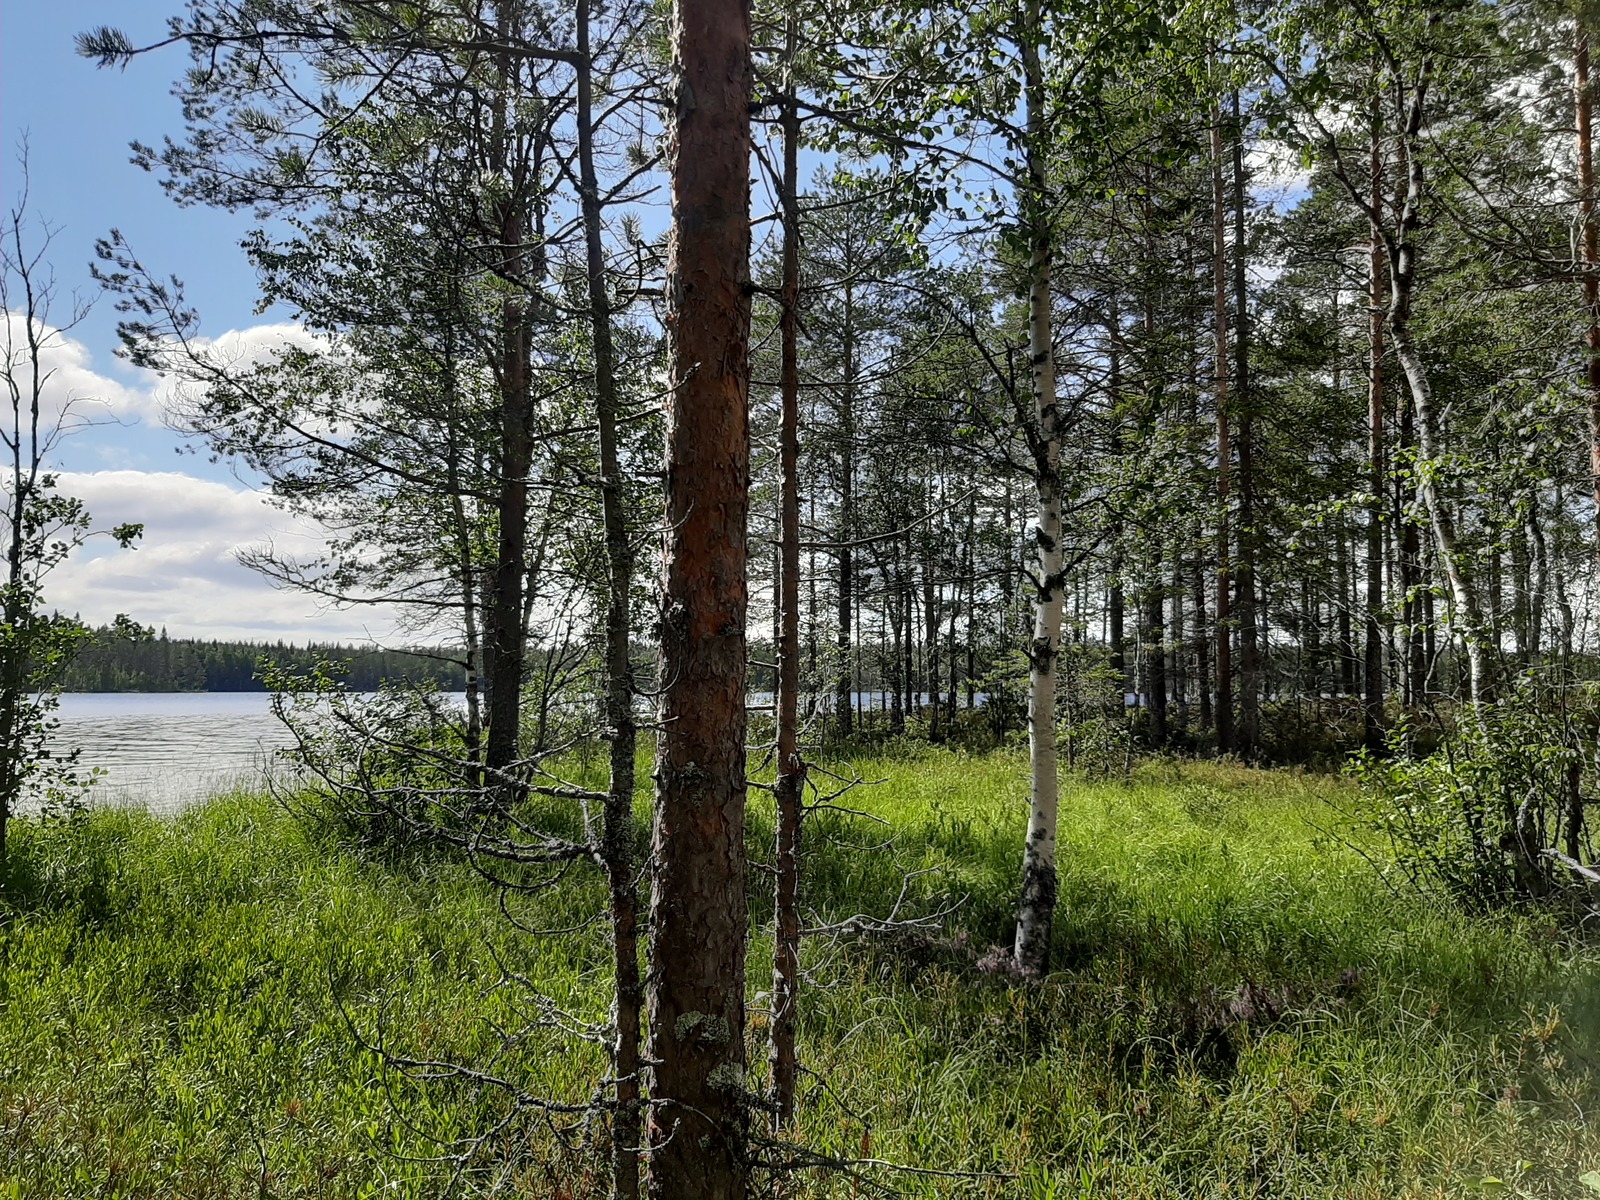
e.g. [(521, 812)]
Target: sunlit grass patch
[(1239, 1007)]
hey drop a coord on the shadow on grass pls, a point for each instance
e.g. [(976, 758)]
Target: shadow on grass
[(1188, 967)]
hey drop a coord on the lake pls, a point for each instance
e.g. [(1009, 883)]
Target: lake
[(166, 750)]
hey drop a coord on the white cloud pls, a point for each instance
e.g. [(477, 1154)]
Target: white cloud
[(233, 352), (72, 392), (1278, 178), (185, 572), (76, 394)]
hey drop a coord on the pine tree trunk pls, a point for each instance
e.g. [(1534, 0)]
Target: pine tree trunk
[(1202, 650), (1155, 659), (789, 789), (698, 917), (618, 834), (1249, 728), (844, 686), (506, 630), (930, 611), (1590, 248), (1224, 714), (1177, 638)]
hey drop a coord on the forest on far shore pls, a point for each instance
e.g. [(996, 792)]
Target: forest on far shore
[(146, 661)]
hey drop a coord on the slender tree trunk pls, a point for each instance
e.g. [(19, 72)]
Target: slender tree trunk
[(1590, 248), (1410, 556), (1036, 911), (618, 835), (1249, 728), (1372, 720), (1539, 581), (811, 601), (1202, 649), (950, 654), (1467, 616), (1590, 243), (930, 611), (1155, 658), (1521, 593), (473, 649), (1347, 602), (789, 789), (971, 572), (506, 643), (13, 666), (507, 631), (1116, 619), (698, 1122), (844, 686), (1116, 598), (1225, 729), (1177, 637)]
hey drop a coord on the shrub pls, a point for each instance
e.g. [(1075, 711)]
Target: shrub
[(1496, 814)]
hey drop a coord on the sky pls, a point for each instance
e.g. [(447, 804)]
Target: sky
[(77, 121)]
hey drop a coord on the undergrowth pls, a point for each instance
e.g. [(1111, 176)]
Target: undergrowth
[(1239, 1006)]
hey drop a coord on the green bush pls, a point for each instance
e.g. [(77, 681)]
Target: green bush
[(1481, 817)]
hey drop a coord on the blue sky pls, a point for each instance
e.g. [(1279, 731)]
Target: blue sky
[(78, 120)]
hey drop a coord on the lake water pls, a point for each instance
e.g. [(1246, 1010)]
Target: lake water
[(163, 751), (166, 750)]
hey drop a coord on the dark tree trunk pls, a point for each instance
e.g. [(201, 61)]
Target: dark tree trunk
[(1176, 635), (790, 786), (1117, 619), (1372, 719), (844, 686), (618, 834), (506, 633), (1202, 649), (971, 572), (930, 642), (506, 641), (1347, 603), (1521, 592), (1155, 659), (1224, 714), (1249, 729), (698, 917), (1590, 245)]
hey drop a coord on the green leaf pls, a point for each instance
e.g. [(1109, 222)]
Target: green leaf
[(1590, 1180)]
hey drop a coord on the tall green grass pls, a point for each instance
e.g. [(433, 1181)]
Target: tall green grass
[(1240, 1007)]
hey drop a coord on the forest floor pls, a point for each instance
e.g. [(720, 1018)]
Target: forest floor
[(1241, 1006)]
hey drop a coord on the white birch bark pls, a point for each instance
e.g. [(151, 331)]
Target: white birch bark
[(1465, 611), (1036, 910)]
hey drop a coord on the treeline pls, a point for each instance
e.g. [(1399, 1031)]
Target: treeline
[(116, 662)]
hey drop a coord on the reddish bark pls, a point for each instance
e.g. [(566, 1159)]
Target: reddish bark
[(697, 1127)]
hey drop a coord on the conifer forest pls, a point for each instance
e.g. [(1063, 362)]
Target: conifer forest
[(1014, 593)]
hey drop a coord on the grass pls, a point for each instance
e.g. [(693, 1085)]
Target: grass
[(1240, 1008)]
